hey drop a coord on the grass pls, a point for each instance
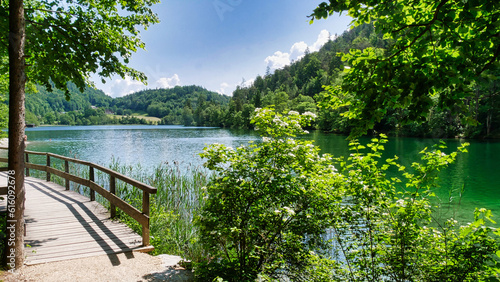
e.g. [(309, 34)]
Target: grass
[(172, 208), (143, 116)]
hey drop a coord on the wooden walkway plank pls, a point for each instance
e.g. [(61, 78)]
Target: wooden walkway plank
[(62, 225)]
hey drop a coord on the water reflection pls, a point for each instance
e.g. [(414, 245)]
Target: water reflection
[(149, 146)]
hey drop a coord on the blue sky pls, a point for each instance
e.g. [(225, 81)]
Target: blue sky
[(218, 43)]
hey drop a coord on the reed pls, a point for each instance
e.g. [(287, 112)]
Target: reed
[(178, 198)]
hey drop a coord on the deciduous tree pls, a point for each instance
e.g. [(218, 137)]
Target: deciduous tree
[(440, 51), (54, 42)]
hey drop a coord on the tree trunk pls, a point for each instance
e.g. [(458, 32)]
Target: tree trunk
[(488, 124), (17, 80)]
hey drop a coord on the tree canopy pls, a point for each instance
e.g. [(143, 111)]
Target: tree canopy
[(442, 53), (69, 40)]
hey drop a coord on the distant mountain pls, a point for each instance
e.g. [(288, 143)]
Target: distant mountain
[(297, 86)]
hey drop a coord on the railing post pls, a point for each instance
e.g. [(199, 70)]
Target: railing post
[(66, 169), (91, 178), (112, 190), (145, 211), (27, 161), (48, 165)]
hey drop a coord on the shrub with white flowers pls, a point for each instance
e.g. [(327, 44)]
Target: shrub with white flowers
[(268, 203)]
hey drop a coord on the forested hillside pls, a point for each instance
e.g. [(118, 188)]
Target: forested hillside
[(299, 87), (42, 101), (296, 87), (189, 105), (44, 107)]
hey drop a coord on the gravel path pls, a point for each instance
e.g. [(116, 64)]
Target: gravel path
[(4, 142), (123, 268)]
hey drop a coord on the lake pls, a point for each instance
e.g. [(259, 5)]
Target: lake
[(151, 145)]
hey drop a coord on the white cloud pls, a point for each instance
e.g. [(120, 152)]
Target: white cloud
[(227, 89), (297, 51), (223, 87), (168, 82), (248, 83), (280, 59), (121, 87), (323, 37)]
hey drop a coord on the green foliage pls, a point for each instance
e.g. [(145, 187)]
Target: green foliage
[(386, 231), (268, 205), (205, 107), (70, 40), (441, 54), (4, 111), (299, 87), (171, 209), (42, 101), (295, 87)]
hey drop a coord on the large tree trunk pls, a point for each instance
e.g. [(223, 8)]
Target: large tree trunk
[(17, 80)]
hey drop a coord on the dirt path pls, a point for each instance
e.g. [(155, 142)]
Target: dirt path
[(124, 267)]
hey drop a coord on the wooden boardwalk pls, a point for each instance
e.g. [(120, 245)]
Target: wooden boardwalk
[(62, 225)]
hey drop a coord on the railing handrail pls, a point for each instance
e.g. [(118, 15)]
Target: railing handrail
[(124, 178), (141, 217)]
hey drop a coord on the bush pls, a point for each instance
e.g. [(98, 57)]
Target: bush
[(386, 230), (269, 204)]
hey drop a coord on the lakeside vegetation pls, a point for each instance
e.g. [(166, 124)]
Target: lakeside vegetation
[(270, 204), (172, 208)]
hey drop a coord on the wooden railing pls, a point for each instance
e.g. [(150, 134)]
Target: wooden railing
[(114, 201)]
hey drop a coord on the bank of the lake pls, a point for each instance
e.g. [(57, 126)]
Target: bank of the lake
[(150, 146)]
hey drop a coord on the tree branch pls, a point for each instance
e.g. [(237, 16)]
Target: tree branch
[(51, 11), (491, 61), (427, 27), (409, 45), (434, 18), (46, 24)]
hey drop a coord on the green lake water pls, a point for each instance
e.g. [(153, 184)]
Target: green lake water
[(149, 146)]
